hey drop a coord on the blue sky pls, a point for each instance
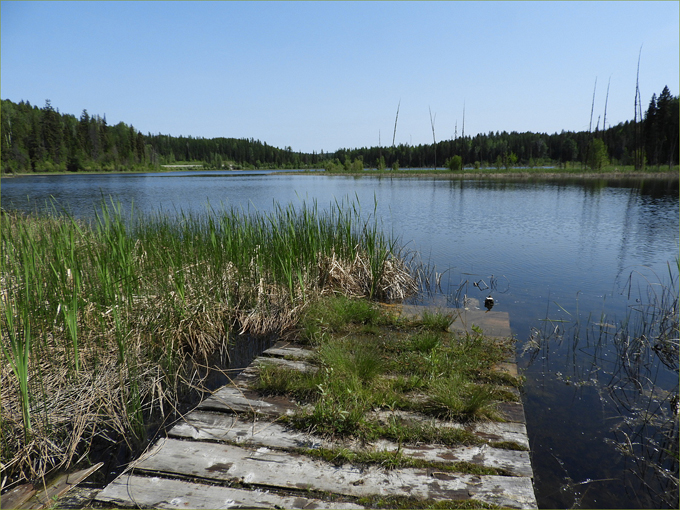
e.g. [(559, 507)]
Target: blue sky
[(326, 75)]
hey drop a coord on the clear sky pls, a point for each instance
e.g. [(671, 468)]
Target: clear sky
[(327, 75)]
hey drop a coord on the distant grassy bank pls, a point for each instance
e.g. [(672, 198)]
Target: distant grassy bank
[(574, 171), (465, 173)]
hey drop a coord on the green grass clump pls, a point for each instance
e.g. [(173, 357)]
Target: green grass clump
[(437, 321), (415, 503), (392, 367), (335, 313)]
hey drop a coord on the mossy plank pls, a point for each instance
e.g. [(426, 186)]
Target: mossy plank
[(154, 492), (281, 350), (30, 498), (512, 432), (494, 324), (290, 364), (266, 468), (512, 411), (201, 426), (17, 497), (238, 400)]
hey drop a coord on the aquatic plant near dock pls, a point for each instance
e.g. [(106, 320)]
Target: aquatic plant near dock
[(632, 363), (105, 325)]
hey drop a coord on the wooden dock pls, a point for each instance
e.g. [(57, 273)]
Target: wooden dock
[(230, 452)]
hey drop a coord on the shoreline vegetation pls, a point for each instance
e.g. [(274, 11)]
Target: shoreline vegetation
[(465, 173), (37, 140), (107, 327)]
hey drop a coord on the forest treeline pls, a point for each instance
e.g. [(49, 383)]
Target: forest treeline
[(42, 139)]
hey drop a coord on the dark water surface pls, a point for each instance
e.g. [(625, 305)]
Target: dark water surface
[(567, 250)]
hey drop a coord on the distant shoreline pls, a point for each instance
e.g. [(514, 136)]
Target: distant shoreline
[(441, 174)]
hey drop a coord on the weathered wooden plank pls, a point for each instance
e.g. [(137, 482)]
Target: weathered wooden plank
[(290, 364), (218, 427), (288, 352), (507, 368), (494, 324), (251, 373), (264, 467), (17, 497), (517, 463), (237, 400), (29, 498), (513, 432), (247, 376), (512, 411), (201, 426), (154, 492)]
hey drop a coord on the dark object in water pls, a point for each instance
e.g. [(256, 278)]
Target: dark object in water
[(488, 303)]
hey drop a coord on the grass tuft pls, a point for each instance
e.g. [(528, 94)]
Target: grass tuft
[(391, 368)]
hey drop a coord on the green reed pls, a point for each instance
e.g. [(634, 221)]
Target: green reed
[(132, 296)]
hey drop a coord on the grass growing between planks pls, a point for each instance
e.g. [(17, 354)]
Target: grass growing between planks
[(371, 364), (105, 325)]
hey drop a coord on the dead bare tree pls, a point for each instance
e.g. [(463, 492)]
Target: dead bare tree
[(395, 123), (638, 157), (592, 108), (590, 126), (606, 100), (434, 141)]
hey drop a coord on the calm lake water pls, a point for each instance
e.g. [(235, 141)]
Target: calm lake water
[(577, 252)]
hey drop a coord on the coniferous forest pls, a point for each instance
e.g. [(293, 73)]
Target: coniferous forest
[(41, 139)]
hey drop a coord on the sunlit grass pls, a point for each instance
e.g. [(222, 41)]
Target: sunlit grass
[(398, 366), (105, 324)]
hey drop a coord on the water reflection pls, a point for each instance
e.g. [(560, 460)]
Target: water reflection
[(561, 249), (619, 380)]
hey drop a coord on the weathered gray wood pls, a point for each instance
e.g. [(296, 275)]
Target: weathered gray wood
[(288, 352), (517, 463), (154, 492), (17, 497), (201, 426), (247, 376), (250, 374), (512, 411), (30, 498), (487, 430), (264, 467), (302, 366), (507, 368), (237, 400), (494, 324)]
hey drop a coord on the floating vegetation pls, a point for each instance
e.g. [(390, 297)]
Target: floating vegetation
[(633, 365)]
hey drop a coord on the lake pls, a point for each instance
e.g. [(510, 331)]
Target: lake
[(569, 259)]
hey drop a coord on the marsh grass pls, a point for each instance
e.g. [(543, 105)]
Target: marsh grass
[(403, 367), (106, 326), (437, 321), (632, 363)]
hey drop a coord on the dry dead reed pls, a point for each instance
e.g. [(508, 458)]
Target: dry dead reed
[(113, 323)]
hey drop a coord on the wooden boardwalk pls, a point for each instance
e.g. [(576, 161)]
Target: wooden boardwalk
[(230, 452)]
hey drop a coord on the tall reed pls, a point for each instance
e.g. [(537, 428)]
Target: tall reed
[(101, 321)]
